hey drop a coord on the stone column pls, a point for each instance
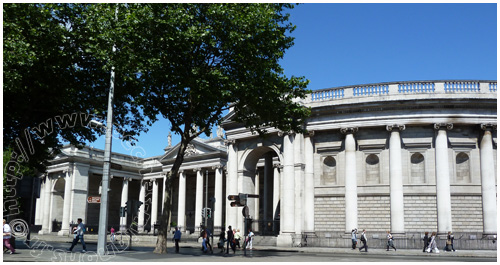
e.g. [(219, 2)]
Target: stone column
[(46, 206), (287, 208), (488, 186), (443, 179), (276, 190), (79, 192), (199, 200), (268, 164), (181, 208), (396, 179), (142, 208), (256, 201), (309, 184), (154, 203), (217, 211), (164, 192), (298, 147), (124, 199), (351, 187), (231, 182), (67, 204)]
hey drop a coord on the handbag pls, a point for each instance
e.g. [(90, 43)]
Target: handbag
[(448, 242)]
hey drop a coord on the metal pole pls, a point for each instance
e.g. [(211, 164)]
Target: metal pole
[(103, 213)]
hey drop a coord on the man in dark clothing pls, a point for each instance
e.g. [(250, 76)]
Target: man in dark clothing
[(230, 238), (426, 241)]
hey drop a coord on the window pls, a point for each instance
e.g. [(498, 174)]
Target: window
[(372, 169), (417, 168), (329, 176), (463, 168)]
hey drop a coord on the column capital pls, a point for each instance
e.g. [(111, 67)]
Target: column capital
[(218, 167), (68, 170), (350, 130), (197, 169), (309, 134), (279, 166), (127, 179), (282, 133), (439, 126), (488, 126), (400, 127), (229, 142)]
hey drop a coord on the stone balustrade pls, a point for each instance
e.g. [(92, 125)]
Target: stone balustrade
[(396, 89)]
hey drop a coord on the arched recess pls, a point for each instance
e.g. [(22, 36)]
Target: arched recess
[(263, 210), (57, 204)]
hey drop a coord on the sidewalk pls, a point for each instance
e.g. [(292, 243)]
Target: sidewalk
[(150, 241)]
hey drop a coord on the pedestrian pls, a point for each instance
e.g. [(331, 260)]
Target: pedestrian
[(237, 237), (177, 238), (112, 236), (353, 238), (208, 235), (390, 241), (432, 244), (78, 232), (449, 242), (222, 240), (426, 240), (204, 242), (250, 239), (7, 233), (364, 240), (230, 239)]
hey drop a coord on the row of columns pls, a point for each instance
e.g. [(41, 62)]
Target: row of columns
[(443, 194)]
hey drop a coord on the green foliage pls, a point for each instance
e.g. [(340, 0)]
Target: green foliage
[(56, 61)]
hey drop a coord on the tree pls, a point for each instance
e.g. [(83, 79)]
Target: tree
[(200, 58), (56, 61)]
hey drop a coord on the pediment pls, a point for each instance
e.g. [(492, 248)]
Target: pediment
[(194, 148)]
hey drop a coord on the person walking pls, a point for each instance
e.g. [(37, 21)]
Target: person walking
[(364, 240), (7, 233), (250, 239), (78, 232), (426, 241), (449, 242), (390, 241), (353, 238), (432, 244), (222, 240), (230, 238), (112, 236), (237, 237), (177, 238), (204, 242)]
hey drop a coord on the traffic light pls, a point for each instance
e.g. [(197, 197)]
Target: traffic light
[(209, 213), (137, 206), (128, 208), (238, 200), (203, 212), (122, 211)]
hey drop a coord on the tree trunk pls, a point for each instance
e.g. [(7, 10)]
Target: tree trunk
[(161, 242)]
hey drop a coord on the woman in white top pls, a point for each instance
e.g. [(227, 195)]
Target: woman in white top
[(6, 237)]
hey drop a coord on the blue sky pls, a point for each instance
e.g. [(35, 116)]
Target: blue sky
[(350, 44)]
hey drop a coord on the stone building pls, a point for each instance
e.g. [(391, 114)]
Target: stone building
[(407, 157)]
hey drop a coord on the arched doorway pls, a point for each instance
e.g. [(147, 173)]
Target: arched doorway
[(261, 176), (57, 205)]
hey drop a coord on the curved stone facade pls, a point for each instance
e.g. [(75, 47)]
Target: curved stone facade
[(408, 157)]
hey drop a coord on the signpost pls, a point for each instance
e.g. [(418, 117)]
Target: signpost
[(94, 199)]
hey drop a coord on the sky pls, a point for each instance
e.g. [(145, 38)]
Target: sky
[(351, 44)]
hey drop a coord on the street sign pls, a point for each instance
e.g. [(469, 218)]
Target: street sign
[(94, 199)]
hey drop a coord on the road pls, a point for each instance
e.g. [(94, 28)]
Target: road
[(55, 252)]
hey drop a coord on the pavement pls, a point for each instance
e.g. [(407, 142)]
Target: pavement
[(52, 248)]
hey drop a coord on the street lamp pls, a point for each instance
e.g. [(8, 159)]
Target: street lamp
[(103, 213)]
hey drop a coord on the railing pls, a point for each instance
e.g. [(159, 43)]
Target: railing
[(421, 87), (371, 90), (404, 88), (459, 86)]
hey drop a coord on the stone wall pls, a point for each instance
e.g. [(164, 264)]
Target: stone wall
[(329, 214), (420, 213), (467, 213), (374, 213)]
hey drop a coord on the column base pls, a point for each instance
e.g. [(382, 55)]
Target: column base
[(140, 228), (123, 228), (63, 232), (43, 232), (284, 240)]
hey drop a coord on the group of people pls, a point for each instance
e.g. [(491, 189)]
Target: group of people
[(363, 239), (233, 238), (430, 243)]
